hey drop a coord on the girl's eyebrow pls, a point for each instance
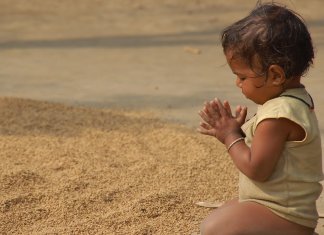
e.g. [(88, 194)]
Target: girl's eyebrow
[(246, 75), (236, 73)]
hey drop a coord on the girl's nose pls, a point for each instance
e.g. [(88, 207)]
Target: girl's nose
[(238, 83)]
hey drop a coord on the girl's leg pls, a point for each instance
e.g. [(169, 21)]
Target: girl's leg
[(249, 218)]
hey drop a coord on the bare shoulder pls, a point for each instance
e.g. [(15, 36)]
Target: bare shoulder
[(288, 129)]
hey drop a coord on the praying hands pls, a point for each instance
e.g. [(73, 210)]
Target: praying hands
[(218, 120)]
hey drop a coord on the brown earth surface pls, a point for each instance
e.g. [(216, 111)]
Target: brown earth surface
[(98, 108), (67, 170)]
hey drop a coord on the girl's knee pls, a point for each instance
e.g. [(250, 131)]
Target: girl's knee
[(210, 227), (206, 228), (214, 227)]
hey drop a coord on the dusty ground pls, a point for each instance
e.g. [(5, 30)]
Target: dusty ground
[(161, 57), (68, 170)]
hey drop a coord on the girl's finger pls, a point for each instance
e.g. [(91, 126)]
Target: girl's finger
[(205, 126), (215, 108), (205, 132), (242, 115), (211, 111), (238, 110), (221, 108), (227, 107), (204, 116)]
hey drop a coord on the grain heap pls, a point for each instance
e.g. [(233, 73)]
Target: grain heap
[(89, 171)]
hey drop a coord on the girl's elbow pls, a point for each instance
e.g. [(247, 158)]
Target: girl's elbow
[(259, 176), (261, 179)]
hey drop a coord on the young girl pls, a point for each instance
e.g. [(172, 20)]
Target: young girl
[(277, 151)]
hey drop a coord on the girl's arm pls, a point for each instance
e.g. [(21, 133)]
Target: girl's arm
[(271, 135), (259, 161)]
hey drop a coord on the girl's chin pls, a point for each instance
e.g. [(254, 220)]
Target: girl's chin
[(254, 101)]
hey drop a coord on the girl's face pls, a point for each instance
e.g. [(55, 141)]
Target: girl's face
[(253, 85)]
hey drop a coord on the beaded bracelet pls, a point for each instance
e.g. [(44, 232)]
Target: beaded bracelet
[(234, 142)]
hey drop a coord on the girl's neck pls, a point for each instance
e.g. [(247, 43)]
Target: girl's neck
[(292, 83)]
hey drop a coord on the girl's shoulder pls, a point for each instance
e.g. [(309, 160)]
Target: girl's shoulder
[(292, 97), (292, 102)]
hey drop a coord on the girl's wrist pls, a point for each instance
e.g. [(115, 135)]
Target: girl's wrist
[(232, 136), (239, 139)]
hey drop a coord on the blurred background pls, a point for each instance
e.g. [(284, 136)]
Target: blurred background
[(158, 56), (161, 56)]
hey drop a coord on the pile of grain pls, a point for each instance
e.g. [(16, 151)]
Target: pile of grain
[(75, 170)]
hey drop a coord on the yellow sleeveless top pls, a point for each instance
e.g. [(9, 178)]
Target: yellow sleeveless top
[(294, 186)]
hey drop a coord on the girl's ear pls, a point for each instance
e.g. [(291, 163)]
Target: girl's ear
[(276, 75)]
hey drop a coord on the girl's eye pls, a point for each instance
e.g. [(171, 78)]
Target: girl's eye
[(242, 79)]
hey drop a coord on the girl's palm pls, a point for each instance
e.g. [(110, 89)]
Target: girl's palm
[(219, 121)]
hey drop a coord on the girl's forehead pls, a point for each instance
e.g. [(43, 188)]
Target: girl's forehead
[(238, 63), (240, 67), (232, 57), (234, 61)]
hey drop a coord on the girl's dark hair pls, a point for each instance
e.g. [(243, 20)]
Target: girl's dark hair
[(274, 35)]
